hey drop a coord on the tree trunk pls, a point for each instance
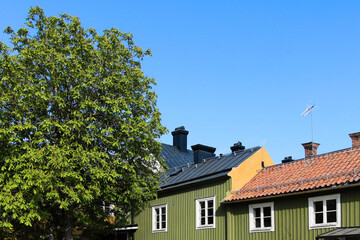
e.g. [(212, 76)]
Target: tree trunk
[(69, 227)]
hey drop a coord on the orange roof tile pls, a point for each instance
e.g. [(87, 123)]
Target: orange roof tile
[(321, 171)]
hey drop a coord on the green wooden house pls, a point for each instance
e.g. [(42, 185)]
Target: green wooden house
[(317, 197), (188, 204)]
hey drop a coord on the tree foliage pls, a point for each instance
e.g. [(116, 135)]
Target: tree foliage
[(78, 127)]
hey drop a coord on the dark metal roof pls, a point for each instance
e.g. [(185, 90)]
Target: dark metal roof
[(173, 157), (203, 179), (191, 173), (341, 232)]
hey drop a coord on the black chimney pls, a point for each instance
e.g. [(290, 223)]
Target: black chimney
[(201, 152), (287, 159), (237, 147), (180, 138)]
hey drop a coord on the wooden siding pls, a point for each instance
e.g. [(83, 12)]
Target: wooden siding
[(181, 213), (291, 217)]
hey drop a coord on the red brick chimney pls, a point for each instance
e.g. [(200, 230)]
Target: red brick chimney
[(310, 149), (355, 137)]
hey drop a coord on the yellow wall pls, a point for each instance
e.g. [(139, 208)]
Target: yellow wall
[(249, 168)]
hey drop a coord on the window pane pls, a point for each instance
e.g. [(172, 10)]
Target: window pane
[(163, 216), (163, 210), (157, 211), (210, 203), (267, 211), (331, 204), (202, 205), (157, 225), (257, 212), (257, 222), (318, 206), (203, 221), (267, 222), (319, 218), (210, 220), (331, 216), (210, 212), (163, 224), (202, 213)]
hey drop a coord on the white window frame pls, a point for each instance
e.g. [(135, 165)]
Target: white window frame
[(154, 222), (312, 224), (198, 213), (252, 225)]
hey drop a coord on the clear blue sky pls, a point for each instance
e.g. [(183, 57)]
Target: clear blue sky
[(239, 70)]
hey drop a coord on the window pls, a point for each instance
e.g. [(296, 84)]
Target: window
[(205, 213), (324, 211), (261, 217), (159, 218), (109, 209)]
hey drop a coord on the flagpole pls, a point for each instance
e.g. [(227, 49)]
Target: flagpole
[(312, 129)]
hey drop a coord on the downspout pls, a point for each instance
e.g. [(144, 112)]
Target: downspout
[(227, 222), (132, 223)]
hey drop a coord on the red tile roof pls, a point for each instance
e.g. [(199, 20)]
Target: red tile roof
[(321, 171)]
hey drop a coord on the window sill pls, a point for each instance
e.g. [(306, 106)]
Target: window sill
[(159, 231), (205, 227), (262, 230), (334, 225)]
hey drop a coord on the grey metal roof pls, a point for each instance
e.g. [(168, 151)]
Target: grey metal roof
[(173, 157), (210, 167), (341, 232)]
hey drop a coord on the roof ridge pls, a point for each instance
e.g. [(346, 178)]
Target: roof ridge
[(312, 157), (355, 171), (214, 158)]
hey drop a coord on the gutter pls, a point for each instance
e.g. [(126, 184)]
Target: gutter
[(128, 228)]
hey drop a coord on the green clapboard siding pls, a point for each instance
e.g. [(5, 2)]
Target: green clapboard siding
[(291, 217), (181, 213)]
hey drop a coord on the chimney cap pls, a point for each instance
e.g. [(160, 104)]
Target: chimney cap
[(201, 147), (237, 147), (180, 131), (355, 135), (310, 144)]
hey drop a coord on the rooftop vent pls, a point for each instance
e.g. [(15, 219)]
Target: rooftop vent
[(201, 152), (175, 172), (237, 147), (180, 138), (287, 159)]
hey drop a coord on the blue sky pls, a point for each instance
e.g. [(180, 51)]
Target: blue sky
[(239, 70)]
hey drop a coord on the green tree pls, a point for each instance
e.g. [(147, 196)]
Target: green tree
[(78, 128)]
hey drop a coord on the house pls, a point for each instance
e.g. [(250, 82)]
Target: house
[(317, 197), (188, 204)]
